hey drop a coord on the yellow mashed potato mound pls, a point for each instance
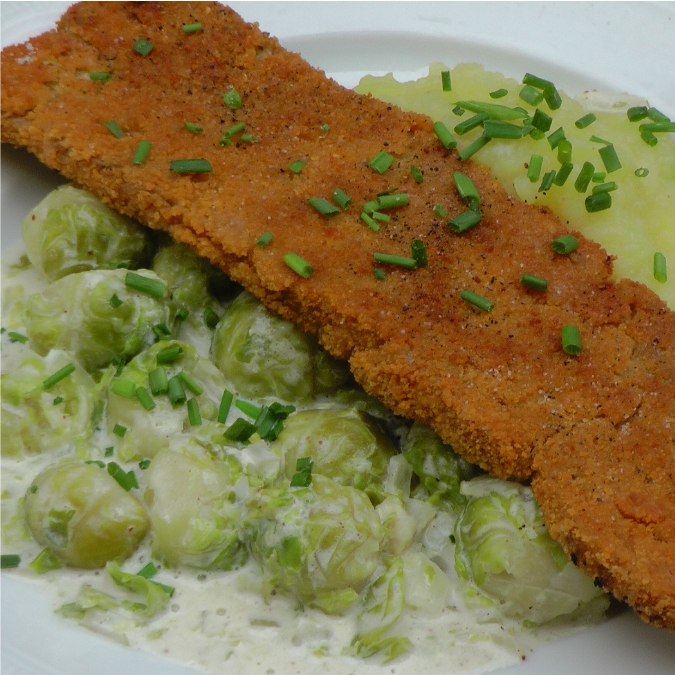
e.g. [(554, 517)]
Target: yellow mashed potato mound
[(641, 220)]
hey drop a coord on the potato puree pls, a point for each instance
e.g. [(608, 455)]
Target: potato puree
[(641, 220)]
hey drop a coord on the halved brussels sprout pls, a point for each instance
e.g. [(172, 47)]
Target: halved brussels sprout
[(83, 515), (95, 316), (71, 230), (190, 499), (37, 420), (504, 549), (319, 543), (347, 446), (264, 356)]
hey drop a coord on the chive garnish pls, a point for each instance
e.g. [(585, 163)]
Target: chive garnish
[(585, 121), (370, 222), (224, 408), (161, 331), (564, 151), (114, 129), (446, 82), (458, 111), (571, 340), (176, 391), (584, 178), (605, 187), (474, 121), (392, 201), (119, 430), (144, 464), (440, 211), (495, 111), (499, 93), (649, 138), (182, 313), (127, 479), (419, 252), (9, 561), (534, 168), (565, 244), (144, 398), (232, 99), (99, 77), (642, 172), (325, 128), (142, 284), (341, 199), (193, 128), (17, 337), (303, 472), (660, 272), (248, 138), (297, 166), (599, 176), (477, 300), (464, 221), (609, 158), (474, 147), (382, 217), (658, 127), (240, 430), (400, 261), (379, 273), (124, 388), (98, 462), (500, 129), (57, 400), (194, 416), (599, 201), (248, 408), (531, 281), (324, 207), (211, 319), (192, 27), (170, 354), (467, 190), (381, 162), (541, 121), (657, 115), (531, 95), (159, 384), (369, 207), (142, 152), (637, 113), (59, 375), (143, 47), (264, 239), (109, 451), (229, 133), (298, 265), (444, 136), (190, 166), (537, 134), (417, 174), (190, 384), (563, 173), (555, 138), (547, 181)]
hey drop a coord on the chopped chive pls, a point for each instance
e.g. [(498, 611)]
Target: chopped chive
[(660, 272), (59, 375), (499, 129), (605, 187), (547, 181), (571, 340), (599, 201), (99, 77), (584, 178), (563, 173), (114, 129), (109, 451), (158, 381), (379, 273), (446, 82), (297, 166), (499, 93), (565, 244), (324, 207), (464, 221), (57, 400), (585, 121), (370, 222), (97, 462), (637, 113), (537, 283), (381, 162), (392, 201), (370, 206), (149, 571), (182, 313), (170, 354), (417, 174), (144, 464), (341, 199), (192, 27), (399, 261), (119, 362), (537, 134), (142, 151), (325, 128), (224, 408), (531, 95), (440, 211), (161, 331), (609, 158), (444, 136), (248, 408), (9, 560), (658, 127), (534, 168), (193, 128), (642, 172), (176, 391), (248, 138), (145, 398), (190, 166), (477, 300), (143, 47), (467, 190), (564, 151), (229, 133), (458, 111), (649, 138), (474, 147), (541, 121), (474, 121), (495, 111), (17, 337), (240, 430), (382, 217), (232, 99), (657, 115), (142, 284), (124, 388), (298, 265), (127, 479), (194, 416), (119, 430), (555, 138), (599, 176), (190, 383), (211, 319), (264, 239), (419, 252)]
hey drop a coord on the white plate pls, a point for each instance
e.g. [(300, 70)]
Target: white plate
[(615, 47)]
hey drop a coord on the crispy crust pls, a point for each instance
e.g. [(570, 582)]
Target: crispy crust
[(593, 432)]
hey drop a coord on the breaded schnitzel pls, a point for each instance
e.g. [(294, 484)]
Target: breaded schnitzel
[(592, 431)]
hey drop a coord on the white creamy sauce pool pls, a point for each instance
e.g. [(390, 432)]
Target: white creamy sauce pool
[(218, 622)]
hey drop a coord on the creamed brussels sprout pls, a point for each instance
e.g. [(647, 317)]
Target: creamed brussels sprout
[(70, 231), (83, 515)]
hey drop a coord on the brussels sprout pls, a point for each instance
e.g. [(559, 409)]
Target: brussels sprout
[(347, 446), (190, 497), (320, 543), (427, 588), (83, 515), (504, 549), (266, 357), (37, 420), (70, 230), (148, 431), (398, 525), (95, 316)]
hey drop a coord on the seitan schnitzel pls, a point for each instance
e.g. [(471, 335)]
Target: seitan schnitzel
[(594, 432)]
